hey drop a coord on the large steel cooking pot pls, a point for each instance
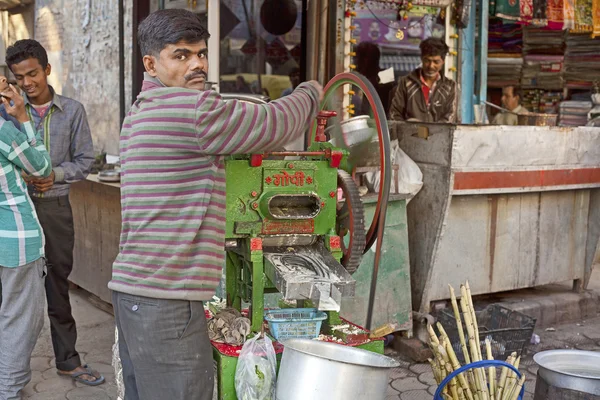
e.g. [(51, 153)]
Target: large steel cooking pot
[(570, 369), (314, 370)]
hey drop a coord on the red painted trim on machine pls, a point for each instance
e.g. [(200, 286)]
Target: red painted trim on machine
[(525, 179)]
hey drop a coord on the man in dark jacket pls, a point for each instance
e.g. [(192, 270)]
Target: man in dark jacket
[(425, 94)]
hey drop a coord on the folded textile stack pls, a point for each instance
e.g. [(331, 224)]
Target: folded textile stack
[(505, 61), (541, 101), (582, 61), (504, 71), (543, 58), (504, 38), (574, 113)]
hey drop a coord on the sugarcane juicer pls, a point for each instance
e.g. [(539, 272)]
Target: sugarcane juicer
[(288, 227)]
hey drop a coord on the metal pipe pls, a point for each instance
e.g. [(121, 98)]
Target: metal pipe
[(467, 73), (323, 23), (312, 45), (214, 47), (121, 16), (482, 46), (296, 153)]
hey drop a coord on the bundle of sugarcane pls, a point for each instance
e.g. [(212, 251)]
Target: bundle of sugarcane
[(472, 384)]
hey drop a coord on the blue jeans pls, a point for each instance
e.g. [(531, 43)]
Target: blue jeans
[(164, 348)]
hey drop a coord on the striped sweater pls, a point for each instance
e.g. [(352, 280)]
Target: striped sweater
[(172, 149)]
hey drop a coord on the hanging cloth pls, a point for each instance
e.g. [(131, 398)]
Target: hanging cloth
[(555, 14), (596, 18), (539, 13), (569, 14), (526, 11), (583, 16), (508, 10)]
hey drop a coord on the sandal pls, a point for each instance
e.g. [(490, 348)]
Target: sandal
[(77, 376)]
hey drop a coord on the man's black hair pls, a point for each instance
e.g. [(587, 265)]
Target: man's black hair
[(434, 47), (165, 27), (25, 49)]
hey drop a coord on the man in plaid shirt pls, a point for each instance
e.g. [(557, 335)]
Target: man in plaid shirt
[(22, 263)]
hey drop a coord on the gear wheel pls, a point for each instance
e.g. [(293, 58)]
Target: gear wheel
[(350, 223)]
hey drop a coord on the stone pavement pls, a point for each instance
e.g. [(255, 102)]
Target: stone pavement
[(96, 336), (411, 381)]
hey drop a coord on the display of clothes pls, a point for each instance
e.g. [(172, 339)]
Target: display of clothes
[(509, 10), (596, 19), (574, 113), (575, 15), (582, 61), (584, 21), (569, 14)]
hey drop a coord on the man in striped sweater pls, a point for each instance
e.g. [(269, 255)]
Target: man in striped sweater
[(173, 146)]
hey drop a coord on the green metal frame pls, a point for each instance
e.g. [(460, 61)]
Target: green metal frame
[(249, 189)]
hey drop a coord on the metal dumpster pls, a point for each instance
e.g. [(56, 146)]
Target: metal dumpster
[(505, 207)]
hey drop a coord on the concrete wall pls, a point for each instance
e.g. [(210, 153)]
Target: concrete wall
[(82, 40), (81, 37)]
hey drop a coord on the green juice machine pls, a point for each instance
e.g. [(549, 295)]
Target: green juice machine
[(295, 222)]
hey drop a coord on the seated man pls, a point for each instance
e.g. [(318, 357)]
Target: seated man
[(425, 94), (511, 100), (22, 264)]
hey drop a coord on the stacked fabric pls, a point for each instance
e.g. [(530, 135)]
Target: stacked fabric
[(582, 61), (574, 113), (504, 71), (543, 58), (505, 61), (542, 101), (504, 38)]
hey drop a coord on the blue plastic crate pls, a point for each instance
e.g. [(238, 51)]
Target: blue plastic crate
[(295, 323)]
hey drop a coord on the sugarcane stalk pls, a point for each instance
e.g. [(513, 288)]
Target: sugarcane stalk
[(435, 370), (475, 325), (440, 353), (464, 303), (511, 380), (476, 334), (461, 333), (453, 390), (517, 390), (503, 375), (432, 336), (462, 380), (492, 370)]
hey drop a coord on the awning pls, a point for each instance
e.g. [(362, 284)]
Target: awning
[(8, 4)]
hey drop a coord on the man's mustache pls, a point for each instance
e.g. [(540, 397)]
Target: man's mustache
[(195, 75)]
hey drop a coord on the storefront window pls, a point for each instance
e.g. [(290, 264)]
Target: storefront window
[(261, 45), (397, 32)]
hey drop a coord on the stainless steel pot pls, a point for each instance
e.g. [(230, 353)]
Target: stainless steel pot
[(314, 370), (570, 369)]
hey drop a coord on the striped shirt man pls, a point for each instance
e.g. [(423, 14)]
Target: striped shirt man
[(21, 237), (173, 144)]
